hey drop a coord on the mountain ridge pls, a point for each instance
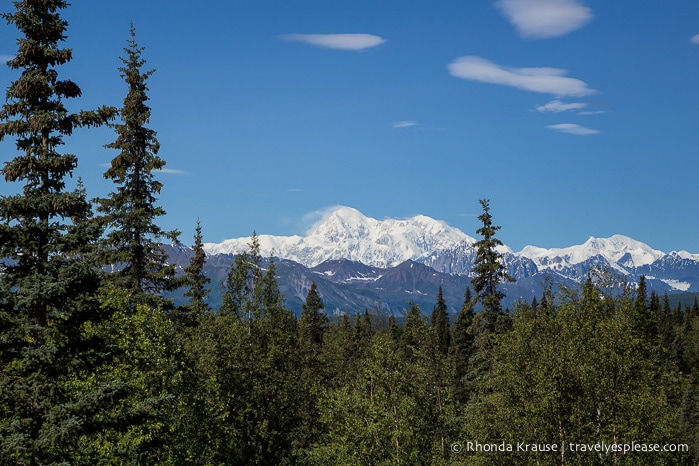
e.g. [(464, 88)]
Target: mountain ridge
[(362, 263), (344, 233)]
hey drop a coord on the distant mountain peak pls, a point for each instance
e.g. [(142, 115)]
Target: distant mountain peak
[(617, 250), (346, 233)]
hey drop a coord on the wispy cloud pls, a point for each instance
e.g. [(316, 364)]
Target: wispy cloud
[(337, 41), (404, 124), (311, 219), (6, 58), (556, 106), (543, 19), (172, 171), (571, 128), (695, 39), (295, 190), (167, 171), (544, 80)]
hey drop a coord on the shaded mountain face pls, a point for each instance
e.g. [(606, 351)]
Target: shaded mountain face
[(362, 263)]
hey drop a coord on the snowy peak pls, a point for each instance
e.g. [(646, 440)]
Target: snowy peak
[(346, 223), (345, 233), (343, 224), (623, 250), (617, 249)]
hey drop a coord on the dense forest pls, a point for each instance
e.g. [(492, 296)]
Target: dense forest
[(98, 368)]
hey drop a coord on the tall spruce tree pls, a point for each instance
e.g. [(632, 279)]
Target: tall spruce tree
[(313, 322), (440, 324), (47, 284), (488, 270), (462, 346), (130, 213), (240, 297), (195, 279)]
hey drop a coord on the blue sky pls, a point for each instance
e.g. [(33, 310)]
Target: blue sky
[(575, 118)]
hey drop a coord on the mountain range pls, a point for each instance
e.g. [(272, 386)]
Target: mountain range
[(359, 262)]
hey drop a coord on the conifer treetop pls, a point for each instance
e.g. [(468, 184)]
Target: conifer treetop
[(131, 211), (488, 270)]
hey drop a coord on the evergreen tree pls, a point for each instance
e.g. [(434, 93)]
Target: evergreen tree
[(488, 270), (195, 279), (462, 345), (130, 213), (393, 330), (414, 334), (440, 324), (641, 294), (440, 371), (363, 332), (239, 297), (654, 306), (270, 297), (313, 322), (645, 318), (48, 286)]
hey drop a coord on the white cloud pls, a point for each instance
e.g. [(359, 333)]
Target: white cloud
[(172, 171), (544, 80), (337, 41), (312, 219), (695, 39), (6, 58), (571, 128), (542, 19), (295, 190), (556, 106), (167, 171), (404, 124)]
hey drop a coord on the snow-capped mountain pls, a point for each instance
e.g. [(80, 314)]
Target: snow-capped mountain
[(346, 234), (620, 251)]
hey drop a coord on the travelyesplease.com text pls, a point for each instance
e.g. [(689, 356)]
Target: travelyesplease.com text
[(599, 447)]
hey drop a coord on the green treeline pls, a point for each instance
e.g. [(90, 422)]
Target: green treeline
[(97, 368)]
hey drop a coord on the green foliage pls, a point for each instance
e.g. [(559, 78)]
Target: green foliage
[(585, 373), (381, 417), (138, 429), (243, 397)]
